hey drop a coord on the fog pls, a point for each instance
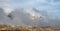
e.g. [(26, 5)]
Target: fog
[(20, 17)]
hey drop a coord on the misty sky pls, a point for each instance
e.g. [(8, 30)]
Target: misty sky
[(48, 9), (52, 7)]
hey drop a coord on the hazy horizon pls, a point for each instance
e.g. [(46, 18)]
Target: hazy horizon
[(46, 12)]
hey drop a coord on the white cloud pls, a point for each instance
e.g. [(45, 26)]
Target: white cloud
[(5, 5), (8, 10), (42, 1)]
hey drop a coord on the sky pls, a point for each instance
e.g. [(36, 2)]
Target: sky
[(52, 7), (48, 9)]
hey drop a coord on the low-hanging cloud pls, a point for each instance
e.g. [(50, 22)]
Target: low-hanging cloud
[(50, 8)]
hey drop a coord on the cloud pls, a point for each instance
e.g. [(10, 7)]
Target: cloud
[(3, 2), (46, 5), (8, 10), (51, 8)]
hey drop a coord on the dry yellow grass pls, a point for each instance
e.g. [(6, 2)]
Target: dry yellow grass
[(22, 28)]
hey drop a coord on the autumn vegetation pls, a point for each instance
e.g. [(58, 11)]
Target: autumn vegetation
[(23, 28)]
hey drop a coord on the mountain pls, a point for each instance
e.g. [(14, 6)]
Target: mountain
[(20, 17), (3, 17)]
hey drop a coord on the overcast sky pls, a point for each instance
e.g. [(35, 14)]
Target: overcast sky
[(49, 9), (52, 7)]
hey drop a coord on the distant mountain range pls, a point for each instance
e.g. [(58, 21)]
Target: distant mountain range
[(19, 17)]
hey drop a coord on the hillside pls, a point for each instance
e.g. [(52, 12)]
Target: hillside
[(24, 28)]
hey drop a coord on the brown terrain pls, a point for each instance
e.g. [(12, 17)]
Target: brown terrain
[(22, 28)]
